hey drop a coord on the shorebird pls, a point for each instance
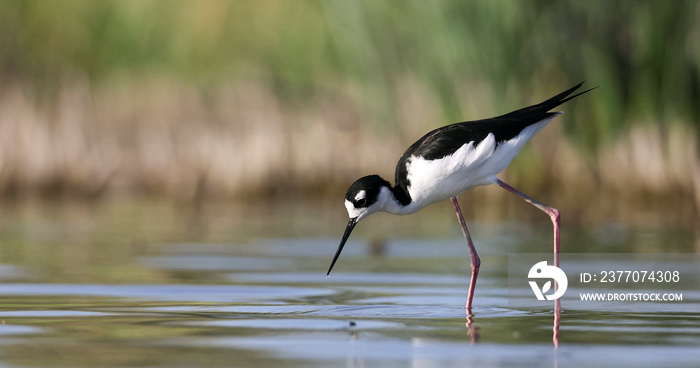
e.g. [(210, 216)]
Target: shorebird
[(450, 160)]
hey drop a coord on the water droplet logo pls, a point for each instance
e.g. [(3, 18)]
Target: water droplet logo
[(542, 271)]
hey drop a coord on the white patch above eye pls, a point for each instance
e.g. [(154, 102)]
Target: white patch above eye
[(352, 211), (360, 195)]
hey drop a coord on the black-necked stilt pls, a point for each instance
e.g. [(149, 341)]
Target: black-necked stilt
[(450, 160)]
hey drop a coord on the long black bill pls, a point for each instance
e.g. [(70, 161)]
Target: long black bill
[(346, 235)]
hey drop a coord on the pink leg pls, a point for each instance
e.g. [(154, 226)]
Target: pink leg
[(476, 262), (555, 328), (556, 222)]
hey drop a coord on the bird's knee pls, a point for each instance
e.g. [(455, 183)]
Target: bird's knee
[(476, 263), (554, 214)]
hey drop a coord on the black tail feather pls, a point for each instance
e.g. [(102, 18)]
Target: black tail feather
[(562, 97), (544, 107), (576, 95)]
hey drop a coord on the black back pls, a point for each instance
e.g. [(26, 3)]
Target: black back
[(446, 140)]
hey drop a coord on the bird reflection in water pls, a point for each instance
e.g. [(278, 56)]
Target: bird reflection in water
[(474, 335)]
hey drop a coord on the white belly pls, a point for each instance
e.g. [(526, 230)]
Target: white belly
[(468, 167)]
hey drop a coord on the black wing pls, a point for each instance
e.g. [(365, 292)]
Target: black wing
[(448, 139)]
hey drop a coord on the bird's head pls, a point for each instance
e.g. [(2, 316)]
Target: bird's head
[(364, 197)]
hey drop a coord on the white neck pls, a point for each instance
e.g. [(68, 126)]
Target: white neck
[(388, 203)]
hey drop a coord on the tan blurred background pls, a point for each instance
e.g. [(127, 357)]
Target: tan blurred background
[(266, 100)]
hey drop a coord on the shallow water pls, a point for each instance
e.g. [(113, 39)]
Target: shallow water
[(105, 290)]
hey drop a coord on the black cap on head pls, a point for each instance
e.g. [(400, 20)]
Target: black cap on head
[(365, 190)]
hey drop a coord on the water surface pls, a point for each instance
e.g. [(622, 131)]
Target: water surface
[(148, 287)]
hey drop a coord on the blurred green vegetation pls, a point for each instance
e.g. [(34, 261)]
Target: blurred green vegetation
[(370, 59), (645, 54)]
